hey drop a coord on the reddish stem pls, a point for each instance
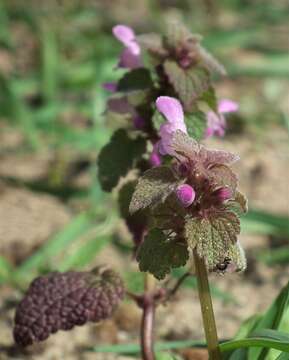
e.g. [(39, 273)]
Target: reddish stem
[(147, 327)]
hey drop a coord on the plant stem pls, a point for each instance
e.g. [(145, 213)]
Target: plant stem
[(147, 325), (207, 308)]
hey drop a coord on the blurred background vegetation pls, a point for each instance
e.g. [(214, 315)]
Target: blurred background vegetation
[(54, 57)]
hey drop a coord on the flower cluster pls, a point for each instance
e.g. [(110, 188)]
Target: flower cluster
[(167, 106), (196, 200)]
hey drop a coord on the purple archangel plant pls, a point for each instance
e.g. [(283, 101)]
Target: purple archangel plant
[(179, 199)]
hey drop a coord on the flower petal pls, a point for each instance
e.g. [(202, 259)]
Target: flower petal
[(110, 86), (128, 60), (226, 106), (171, 108), (126, 35), (123, 33)]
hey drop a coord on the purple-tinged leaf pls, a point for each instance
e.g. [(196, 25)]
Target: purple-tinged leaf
[(190, 84), (153, 187)]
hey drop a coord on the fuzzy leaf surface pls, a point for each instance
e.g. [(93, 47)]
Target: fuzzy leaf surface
[(196, 124), (136, 79), (239, 204), (189, 84), (60, 301), (153, 187), (212, 235), (222, 175), (137, 222), (210, 98), (159, 255), (118, 157)]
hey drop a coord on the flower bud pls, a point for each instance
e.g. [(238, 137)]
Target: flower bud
[(138, 122), (186, 194), (223, 194)]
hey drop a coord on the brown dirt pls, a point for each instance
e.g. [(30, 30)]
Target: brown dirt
[(27, 219)]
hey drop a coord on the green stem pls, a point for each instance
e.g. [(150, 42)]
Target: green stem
[(207, 308)]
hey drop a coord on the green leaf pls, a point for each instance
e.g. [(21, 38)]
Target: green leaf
[(210, 62), (124, 197), (283, 356), (167, 356), (159, 254), (5, 270), (136, 79), (84, 254), (272, 319), (118, 157), (135, 348), (239, 204), (153, 43), (263, 339), (196, 124), (189, 84), (191, 283), (153, 187), (176, 34), (209, 97), (157, 120), (222, 176), (213, 236)]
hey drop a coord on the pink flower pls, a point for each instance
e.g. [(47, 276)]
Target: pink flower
[(186, 195), (222, 194), (172, 110), (138, 122), (110, 86), (130, 57), (216, 122), (155, 158)]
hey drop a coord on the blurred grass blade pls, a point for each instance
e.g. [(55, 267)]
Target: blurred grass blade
[(17, 110), (261, 222), (78, 226), (49, 54), (273, 256), (269, 339), (271, 320), (85, 254), (135, 348), (191, 282), (5, 270), (283, 356)]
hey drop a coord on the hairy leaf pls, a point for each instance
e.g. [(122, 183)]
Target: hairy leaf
[(177, 34), (209, 97), (136, 79), (157, 120), (213, 235), (118, 157), (159, 254), (136, 223), (153, 187), (185, 147), (60, 301), (211, 63), (196, 124), (189, 84), (168, 215), (222, 175), (239, 204), (153, 44)]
